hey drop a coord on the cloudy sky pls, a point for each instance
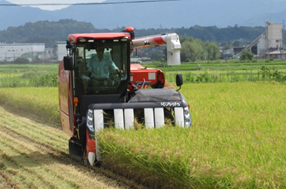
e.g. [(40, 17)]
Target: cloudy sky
[(46, 7)]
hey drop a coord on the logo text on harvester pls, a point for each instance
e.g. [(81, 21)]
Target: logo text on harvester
[(170, 104)]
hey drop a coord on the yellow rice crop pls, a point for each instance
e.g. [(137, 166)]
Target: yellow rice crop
[(237, 139)]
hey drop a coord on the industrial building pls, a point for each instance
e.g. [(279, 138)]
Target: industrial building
[(270, 40), (60, 50), (10, 52)]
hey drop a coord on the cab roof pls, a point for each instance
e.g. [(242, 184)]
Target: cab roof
[(75, 37)]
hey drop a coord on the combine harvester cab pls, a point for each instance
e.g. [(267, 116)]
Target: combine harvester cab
[(89, 103)]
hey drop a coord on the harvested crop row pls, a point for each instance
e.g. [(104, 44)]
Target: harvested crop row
[(41, 132), (5, 180), (30, 162)]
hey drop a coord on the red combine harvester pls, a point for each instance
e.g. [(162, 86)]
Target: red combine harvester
[(143, 77), (93, 97)]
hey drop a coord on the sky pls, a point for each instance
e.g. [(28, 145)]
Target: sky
[(51, 8)]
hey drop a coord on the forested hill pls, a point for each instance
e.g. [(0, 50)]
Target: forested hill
[(49, 32)]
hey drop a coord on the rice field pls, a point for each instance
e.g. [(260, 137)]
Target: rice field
[(237, 139), (45, 75), (39, 101), (28, 75)]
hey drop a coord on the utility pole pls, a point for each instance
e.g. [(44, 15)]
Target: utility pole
[(283, 55), (205, 49)]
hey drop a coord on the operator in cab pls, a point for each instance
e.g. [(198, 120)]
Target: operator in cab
[(101, 66)]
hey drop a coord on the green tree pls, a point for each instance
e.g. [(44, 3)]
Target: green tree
[(212, 50), (157, 55), (246, 55), (186, 51), (21, 60), (236, 44), (192, 49)]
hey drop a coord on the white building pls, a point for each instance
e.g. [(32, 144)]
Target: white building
[(10, 52), (49, 54), (60, 50), (274, 35), (271, 39)]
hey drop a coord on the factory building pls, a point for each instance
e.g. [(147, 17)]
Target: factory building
[(31, 51), (270, 40), (10, 52), (60, 50)]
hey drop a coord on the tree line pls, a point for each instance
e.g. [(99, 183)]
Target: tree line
[(50, 31), (195, 49), (198, 43)]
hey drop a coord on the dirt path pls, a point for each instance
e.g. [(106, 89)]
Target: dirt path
[(34, 155)]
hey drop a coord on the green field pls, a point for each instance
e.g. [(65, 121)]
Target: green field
[(237, 139), (28, 75), (229, 71), (45, 75)]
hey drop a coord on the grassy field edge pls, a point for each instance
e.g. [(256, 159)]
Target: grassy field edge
[(32, 103)]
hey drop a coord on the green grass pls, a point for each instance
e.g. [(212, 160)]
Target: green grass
[(233, 65), (28, 68), (28, 75), (45, 75), (210, 72)]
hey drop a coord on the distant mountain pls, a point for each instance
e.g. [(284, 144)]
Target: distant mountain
[(49, 32), (167, 14)]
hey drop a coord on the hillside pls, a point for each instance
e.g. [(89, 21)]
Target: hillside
[(49, 32)]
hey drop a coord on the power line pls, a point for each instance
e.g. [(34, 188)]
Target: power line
[(77, 4)]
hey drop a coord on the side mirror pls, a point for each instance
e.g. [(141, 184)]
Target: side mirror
[(68, 63), (179, 80)]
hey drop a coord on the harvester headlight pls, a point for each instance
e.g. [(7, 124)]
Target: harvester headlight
[(124, 39), (89, 120), (188, 120), (90, 114), (82, 40)]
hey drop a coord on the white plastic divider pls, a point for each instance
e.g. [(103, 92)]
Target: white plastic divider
[(98, 125), (149, 117), (124, 118), (159, 117), (129, 118), (179, 116), (118, 119), (98, 120), (97, 149)]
